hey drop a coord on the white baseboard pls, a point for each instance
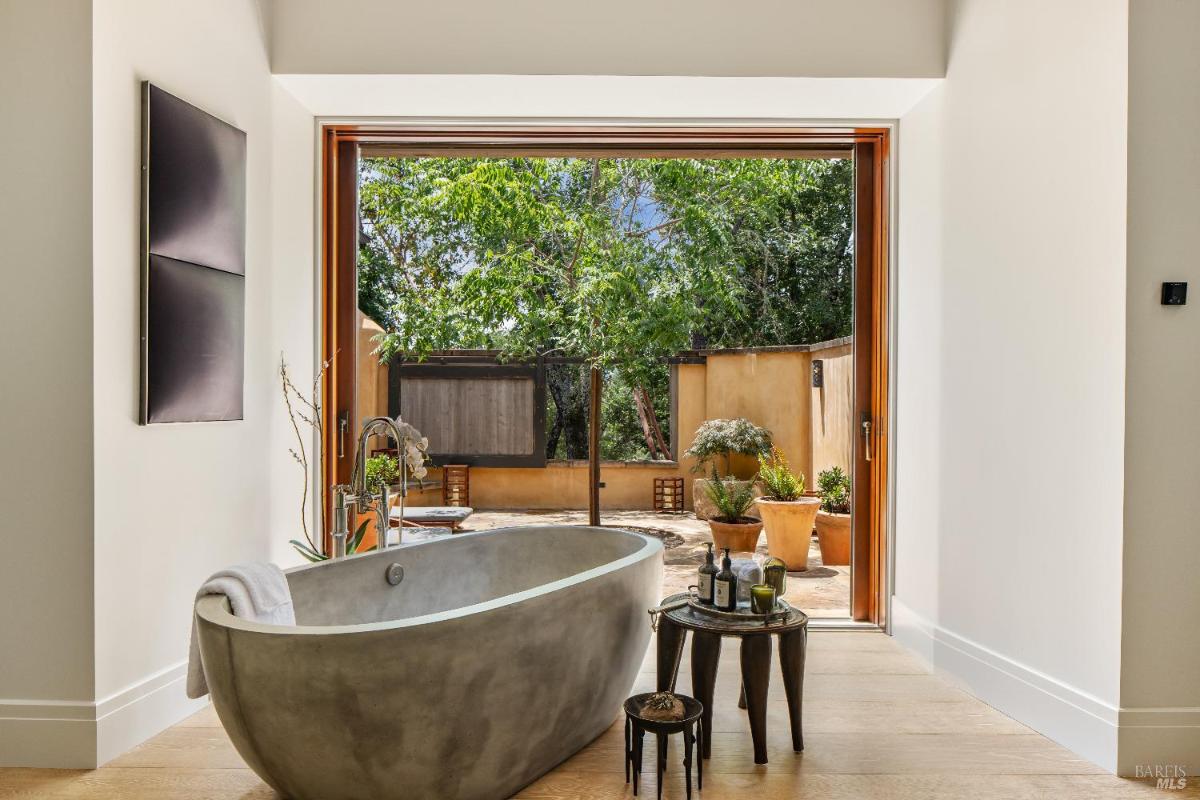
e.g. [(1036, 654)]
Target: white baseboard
[(84, 735), (129, 717), (1081, 722), (1160, 742), (37, 733)]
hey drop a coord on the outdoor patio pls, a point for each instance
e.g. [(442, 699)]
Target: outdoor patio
[(820, 591)]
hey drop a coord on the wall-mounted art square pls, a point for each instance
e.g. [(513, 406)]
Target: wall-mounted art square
[(194, 342), (196, 198), (193, 262)]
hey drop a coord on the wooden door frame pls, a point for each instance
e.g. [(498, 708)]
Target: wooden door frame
[(339, 304), (340, 145), (870, 574)]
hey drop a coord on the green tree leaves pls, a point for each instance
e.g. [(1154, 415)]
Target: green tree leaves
[(618, 262)]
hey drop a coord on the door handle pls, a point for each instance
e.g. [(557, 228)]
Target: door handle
[(866, 432)]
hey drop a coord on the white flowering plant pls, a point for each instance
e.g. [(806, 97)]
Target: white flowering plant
[(384, 469)]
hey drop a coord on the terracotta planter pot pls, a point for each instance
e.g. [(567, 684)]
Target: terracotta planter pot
[(704, 507), (833, 534), (370, 538), (740, 537), (789, 527)]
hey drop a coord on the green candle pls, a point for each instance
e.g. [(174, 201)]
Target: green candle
[(775, 572), (762, 598)]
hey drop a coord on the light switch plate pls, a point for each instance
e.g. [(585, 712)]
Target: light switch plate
[(1174, 293)]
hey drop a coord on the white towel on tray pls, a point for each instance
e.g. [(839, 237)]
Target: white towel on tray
[(257, 591), (748, 572)]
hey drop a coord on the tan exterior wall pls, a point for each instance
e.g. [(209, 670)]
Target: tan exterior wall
[(560, 484), (772, 389), (769, 389), (691, 409), (831, 410), (372, 376)]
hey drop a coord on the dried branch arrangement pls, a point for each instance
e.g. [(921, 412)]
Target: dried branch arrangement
[(304, 412)]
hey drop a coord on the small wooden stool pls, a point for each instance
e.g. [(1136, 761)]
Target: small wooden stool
[(456, 485), (636, 725), (668, 495)]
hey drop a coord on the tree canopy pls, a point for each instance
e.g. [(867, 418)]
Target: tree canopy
[(618, 262)]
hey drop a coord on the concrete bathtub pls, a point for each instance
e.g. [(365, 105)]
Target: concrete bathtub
[(497, 656)]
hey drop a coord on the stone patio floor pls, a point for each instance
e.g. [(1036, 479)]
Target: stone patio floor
[(825, 597)]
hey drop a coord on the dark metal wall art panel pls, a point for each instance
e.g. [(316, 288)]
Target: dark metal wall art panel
[(197, 195), (194, 338), (193, 262)]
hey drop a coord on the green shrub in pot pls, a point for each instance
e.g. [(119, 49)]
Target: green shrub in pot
[(833, 520), (834, 486), (724, 437)]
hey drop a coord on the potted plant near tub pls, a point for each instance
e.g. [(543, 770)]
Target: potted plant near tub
[(833, 519), (717, 440), (731, 527), (787, 514)]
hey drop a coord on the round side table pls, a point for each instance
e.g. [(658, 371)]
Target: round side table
[(636, 725), (755, 636)]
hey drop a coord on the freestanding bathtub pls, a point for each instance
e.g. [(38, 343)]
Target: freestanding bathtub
[(497, 656)]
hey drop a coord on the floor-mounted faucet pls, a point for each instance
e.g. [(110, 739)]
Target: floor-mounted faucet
[(360, 495)]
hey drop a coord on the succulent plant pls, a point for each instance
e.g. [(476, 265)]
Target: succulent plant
[(777, 476)]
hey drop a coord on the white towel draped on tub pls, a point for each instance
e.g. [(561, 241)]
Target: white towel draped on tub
[(257, 591)]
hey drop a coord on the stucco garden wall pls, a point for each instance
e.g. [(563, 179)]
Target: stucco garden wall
[(771, 387)]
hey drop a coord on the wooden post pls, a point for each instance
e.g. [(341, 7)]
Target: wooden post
[(594, 448)]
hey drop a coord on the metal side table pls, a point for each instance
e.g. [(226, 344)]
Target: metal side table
[(755, 636)]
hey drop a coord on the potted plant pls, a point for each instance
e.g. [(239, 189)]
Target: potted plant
[(833, 519), (384, 469), (718, 440), (731, 527), (786, 512)]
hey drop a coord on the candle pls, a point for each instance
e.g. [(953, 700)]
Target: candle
[(762, 598), (776, 575)]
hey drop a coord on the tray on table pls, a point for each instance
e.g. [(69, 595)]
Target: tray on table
[(710, 615), (742, 613)]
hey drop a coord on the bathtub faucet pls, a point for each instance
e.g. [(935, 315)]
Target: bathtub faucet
[(360, 495)]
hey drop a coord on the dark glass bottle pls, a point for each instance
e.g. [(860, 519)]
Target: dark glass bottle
[(708, 573), (725, 593)]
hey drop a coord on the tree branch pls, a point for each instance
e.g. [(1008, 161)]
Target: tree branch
[(648, 231)]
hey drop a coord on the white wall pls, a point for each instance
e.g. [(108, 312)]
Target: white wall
[(852, 38), (46, 403), (1012, 199), (294, 281), (605, 97), (1160, 661), (174, 503)]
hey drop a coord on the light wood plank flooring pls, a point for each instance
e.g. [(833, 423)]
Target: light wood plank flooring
[(876, 724)]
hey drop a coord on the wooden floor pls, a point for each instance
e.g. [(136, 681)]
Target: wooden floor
[(876, 725)]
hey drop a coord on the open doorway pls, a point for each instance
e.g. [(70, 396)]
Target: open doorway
[(498, 293)]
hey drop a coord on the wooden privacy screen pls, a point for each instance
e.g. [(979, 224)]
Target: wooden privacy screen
[(480, 414)]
